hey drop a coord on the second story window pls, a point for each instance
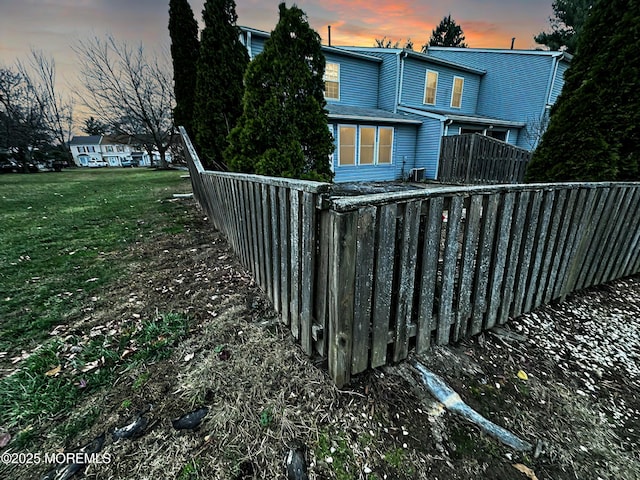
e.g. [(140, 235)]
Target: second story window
[(332, 81), (430, 87), (456, 94)]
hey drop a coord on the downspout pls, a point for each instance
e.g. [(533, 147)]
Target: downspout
[(550, 84), (401, 56), (397, 99)]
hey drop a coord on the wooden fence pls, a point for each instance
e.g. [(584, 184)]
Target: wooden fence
[(474, 158), (364, 280)]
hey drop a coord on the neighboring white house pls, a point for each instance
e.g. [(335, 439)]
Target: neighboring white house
[(112, 151)]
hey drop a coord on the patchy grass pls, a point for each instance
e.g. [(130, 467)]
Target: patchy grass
[(60, 236)]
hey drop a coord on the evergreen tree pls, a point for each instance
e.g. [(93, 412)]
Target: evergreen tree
[(283, 129), (93, 126), (593, 134), (570, 16), (219, 88), (183, 30), (447, 34)]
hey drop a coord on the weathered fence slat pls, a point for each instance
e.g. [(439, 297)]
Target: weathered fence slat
[(307, 264), (322, 286), (341, 296), (294, 300), (285, 240), (365, 255), (445, 313), (564, 217), (275, 245), (430, 255), (383, 283), (633, 233)]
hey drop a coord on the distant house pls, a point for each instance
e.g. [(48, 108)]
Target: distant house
[(112, 151), (389, 108)]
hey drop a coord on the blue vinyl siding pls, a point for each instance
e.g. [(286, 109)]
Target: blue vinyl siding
[(428, 146), (515, 85), (558, 82), (387, 95), (257, 45), (358, 81), (413, 84), (403, 157)]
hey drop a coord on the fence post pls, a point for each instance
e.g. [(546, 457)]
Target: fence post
[(472, 147), (342, 267)]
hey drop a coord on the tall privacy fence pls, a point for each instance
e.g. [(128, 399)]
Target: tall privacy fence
[(363, 280), (474, 158)]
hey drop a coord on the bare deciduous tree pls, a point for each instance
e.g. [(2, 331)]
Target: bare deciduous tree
[(129, 90), (40, 75)]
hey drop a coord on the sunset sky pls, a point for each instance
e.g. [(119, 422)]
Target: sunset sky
[(55, 25)]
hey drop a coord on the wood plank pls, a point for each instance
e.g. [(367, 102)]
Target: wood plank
[(341, 296), (295, 263), (483, 266), (266, 229), (539, 248), (322, 279), (471, 237), (383, 283), (365, 255), (430, 256), (530, 231), (307, 263), (285, 239), (238, 223), (501, 252), (582, 239), (406, 286), (445, 314), (611, 244), (275, 246), (624, 236), (597, 230), (514, 252), (565, 219), (633, 232)]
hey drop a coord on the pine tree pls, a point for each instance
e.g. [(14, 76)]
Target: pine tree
[(283, 129), (183, 30), (447, 34), (570, 16), (593, 134), (219, 83)]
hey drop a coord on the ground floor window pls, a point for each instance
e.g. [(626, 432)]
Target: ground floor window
[(489, 132), (365, 145)]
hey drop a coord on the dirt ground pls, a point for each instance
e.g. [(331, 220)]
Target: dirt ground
[(564, 378)]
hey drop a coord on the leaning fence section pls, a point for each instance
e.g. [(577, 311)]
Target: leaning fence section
[(411, 270), (364, 280), (272, 225), (478, 159)]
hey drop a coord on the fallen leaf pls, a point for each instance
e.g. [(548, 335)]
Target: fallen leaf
[(54, 371), (5, 438), (189, 356), (526, 470), (522, 375)]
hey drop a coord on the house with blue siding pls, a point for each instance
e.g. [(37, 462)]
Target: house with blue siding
[(388, 109)]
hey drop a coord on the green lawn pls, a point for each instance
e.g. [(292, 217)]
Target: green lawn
[(64, 238), (59, 232)]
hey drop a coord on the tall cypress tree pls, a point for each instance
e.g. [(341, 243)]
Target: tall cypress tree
[(283, 129), (183, 30), (593, 133), (219, 88)]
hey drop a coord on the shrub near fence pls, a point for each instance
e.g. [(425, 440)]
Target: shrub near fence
[(364, 280)]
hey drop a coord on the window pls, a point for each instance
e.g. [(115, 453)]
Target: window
[(456, 94), (109, 148), (367, 145), (385, 143), (430, 87), (374, 145), (119, 148), (347, 138), (80, 149), (332, 81), (497, 134)]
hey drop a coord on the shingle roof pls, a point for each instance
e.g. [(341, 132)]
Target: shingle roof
[(85, 140), (345, 112)]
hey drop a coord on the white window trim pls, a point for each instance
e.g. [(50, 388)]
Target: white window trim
[(355, 146), (453, 89), (339, 83), (426, 83), (376, 154)]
